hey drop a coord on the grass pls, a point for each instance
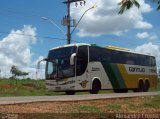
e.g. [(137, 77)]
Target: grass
[(156, 88), (87, 109), (141, 104), (9, 87), (114, 106), (90, 109), (154, 102)]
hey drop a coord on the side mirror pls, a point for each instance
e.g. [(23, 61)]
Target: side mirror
[(72, 59), (38, 64)]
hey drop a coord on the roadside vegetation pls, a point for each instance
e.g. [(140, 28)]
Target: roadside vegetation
[(77, 109), (23, 87), (14, 87), (28, 87)]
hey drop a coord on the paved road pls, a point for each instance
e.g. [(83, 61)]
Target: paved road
[(29, 99)]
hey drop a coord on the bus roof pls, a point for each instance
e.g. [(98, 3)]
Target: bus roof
[(107, 47), (70, 45), (126, 50), (116, 48)]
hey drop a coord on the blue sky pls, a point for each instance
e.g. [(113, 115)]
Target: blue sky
[(138, 30)]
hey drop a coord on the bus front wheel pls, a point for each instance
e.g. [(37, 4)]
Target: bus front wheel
[(96, 86)]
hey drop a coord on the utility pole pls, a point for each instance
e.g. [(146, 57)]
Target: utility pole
[(67, 19)]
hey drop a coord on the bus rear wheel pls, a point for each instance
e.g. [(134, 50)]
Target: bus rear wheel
[(70, 92), (140, 87), (96, 86), (146, 86)]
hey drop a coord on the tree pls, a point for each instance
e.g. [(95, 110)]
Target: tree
[(24, 74), (127, 4), (16, 72)]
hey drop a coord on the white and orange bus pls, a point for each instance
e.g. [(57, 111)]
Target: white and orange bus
[(85, 67)]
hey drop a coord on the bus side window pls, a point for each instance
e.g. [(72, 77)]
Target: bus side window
[(82, 60), (94, 54), (152, 61)]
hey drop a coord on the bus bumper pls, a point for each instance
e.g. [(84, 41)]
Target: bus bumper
[(60, 86)]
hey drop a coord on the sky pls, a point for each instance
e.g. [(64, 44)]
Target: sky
[(25, 38)]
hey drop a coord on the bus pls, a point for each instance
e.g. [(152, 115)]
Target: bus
[(86, 67)]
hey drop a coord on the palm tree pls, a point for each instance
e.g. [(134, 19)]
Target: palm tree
[(127, 4), (158, 2)]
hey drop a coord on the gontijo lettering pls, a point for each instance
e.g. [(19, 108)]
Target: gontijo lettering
[(136, 69)]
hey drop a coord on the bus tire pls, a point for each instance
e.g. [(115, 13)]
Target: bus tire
[(70, 92), (96, 86), (140, 86), (146, 86)]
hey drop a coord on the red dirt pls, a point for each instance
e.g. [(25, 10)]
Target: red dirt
[(6, 86)]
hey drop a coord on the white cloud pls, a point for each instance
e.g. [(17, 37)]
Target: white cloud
[(15, 49), (153, 37), (39, 59), (142, 35), (146, 35), (104, 19), (150, 48), (144, 7), (143, 25)]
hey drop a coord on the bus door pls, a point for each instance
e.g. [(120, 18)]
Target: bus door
[(82, 73)]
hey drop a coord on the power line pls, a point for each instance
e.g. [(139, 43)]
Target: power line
[(45, 37)]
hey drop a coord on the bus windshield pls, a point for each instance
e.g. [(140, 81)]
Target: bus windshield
[(58, 64)]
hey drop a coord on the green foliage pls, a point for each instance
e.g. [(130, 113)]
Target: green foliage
[(158, 2), (24, 87), (16, 72), (21, 88), (127, 4)]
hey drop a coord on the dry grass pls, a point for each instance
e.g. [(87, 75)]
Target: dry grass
[(95, 109), (130, 105)]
